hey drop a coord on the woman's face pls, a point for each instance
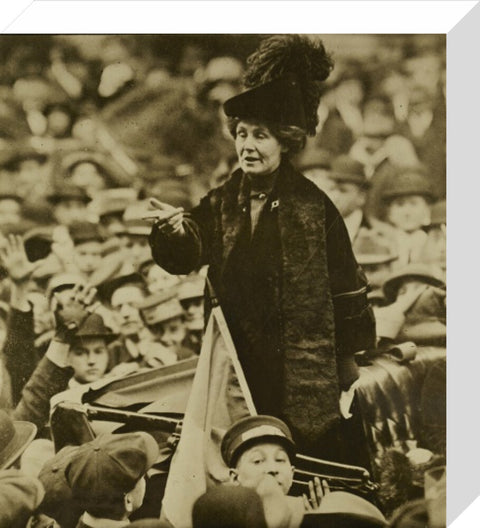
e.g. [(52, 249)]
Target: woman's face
[(259, 152)]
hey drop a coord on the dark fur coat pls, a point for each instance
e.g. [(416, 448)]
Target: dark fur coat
[(312, 295)]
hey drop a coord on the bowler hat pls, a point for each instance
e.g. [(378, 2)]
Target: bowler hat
[(340, 509), (409, 182), (81, 232), (348, 170), (161, 307), (417, 271), (253, 430), (106, 289), (278, 101), (102, 471), (93, 326), (15, 436), (68, 192)]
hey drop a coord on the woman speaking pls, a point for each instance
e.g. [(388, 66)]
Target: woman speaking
[(279, 255)]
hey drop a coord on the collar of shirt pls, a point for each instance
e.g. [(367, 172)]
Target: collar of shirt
[(97, 522), (260, 188)]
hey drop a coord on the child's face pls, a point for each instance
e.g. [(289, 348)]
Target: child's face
[(408, 213), (89, 359), (88, 256), (347, 197)]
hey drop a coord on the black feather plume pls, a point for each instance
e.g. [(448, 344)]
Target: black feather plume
[(283, 55)]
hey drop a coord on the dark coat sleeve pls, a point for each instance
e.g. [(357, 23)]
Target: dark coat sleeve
[(181, 255), (47, 380), (19, 350), (354, 319)]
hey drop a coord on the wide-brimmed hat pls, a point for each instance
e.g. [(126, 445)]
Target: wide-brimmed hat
[(252, 430), (346, 169), (408, 182), (15, 435), (191, 288), (282, 80), (418, 271)]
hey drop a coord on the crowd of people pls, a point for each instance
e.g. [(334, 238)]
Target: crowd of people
[(96, 138)]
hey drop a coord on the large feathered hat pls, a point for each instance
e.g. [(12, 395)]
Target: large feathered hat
[(283, 82)]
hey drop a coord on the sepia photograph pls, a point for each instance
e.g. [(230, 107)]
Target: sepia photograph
[(223, 280)]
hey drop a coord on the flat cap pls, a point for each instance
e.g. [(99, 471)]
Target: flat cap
[(161, 307)]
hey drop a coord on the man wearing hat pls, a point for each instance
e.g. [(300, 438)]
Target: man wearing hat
[(135, 235), (280, 259), (165, 318), (123, 295), (53, 372), (107, 477), (69, 204), (190, 295), (87, 247), (88, 354)]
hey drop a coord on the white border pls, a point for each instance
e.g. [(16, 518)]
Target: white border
[(463, 87)]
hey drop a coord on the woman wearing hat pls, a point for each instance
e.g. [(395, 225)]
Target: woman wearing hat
[(280, 260)]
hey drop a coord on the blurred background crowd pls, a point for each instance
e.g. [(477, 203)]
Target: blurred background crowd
[(92, 126)]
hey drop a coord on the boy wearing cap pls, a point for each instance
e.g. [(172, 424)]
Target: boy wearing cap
[(107, 477), (259, 451), (407, 197)]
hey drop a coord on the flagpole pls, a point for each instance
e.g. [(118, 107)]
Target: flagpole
[(231, 350)]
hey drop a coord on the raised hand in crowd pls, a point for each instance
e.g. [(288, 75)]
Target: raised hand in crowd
[(317, 490), (19, 268), (70, 314)]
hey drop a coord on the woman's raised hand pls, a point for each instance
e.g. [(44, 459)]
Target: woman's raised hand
[(169, 219)]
